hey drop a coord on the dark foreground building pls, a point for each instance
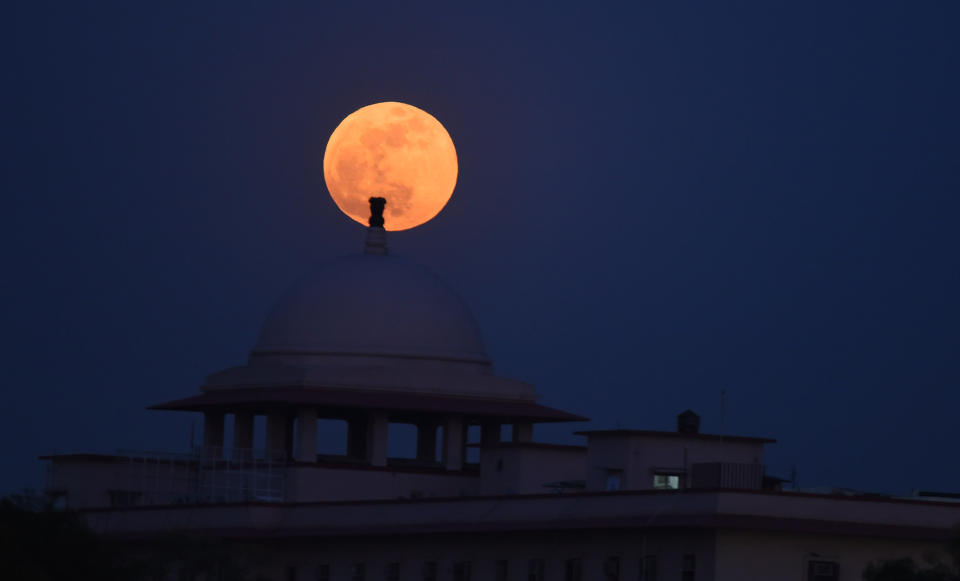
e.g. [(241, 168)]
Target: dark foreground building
[(302, 465)]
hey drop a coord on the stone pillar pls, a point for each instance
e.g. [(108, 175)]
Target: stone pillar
[(307, 435), (377, 438), (276, 435), (453, 443), (242, 436), (357, 438), (427, 441), (523, 432), (213, 434), (489, 434)]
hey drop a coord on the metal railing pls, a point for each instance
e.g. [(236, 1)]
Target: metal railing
[(205, 475)]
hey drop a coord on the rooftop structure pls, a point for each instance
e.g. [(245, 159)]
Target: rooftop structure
[(377, 344)]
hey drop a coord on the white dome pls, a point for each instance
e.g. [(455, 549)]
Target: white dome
[(370, 306)]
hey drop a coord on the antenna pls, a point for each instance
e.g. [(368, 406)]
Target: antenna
[(723, 409)]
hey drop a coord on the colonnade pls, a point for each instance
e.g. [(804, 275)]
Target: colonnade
[(367, 435)]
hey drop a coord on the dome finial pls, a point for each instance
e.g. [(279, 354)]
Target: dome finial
[(376, 211), (376, 235)]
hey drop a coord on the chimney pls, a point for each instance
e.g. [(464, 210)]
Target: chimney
[(688, 422)]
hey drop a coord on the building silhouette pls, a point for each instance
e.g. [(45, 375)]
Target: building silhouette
[(372, 350)]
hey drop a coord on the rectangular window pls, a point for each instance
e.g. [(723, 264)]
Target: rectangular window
[(648, 568), (535, 570), (666, 481), (573, 570), (430, 571), (323, 572), (614, 480), (823, 571), (462, 571), (124, 498), (358, 572), (688, 569), (392, 572), (611, 568), (502, 570)]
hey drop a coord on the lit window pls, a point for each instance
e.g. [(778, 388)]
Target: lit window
[(535, 570), (574, 570), (822, 571), (648, 568), (666, 481), (688, 569), (614, 479)]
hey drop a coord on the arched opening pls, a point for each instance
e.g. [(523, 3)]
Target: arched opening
[(331, 438)]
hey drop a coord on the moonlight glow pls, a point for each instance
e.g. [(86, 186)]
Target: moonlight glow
[(395, 151)]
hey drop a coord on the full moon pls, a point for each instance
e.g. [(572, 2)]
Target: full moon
[(394, 151)]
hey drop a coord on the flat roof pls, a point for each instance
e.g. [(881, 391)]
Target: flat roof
[(667, 434), (575, 511), (346, 401), (531, 446)]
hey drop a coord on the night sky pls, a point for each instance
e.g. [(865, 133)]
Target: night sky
[(655, 203)]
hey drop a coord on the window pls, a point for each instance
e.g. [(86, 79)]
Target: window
[(611, 568), (358, 572), (573, 570), (666, 481), (461, 571), (502, 570), (430, 571), (688, 569), (822, 571), (323, 572), (535, 570), (472, 455), (614, 478), (124, 498), (648, 568), (392, 572)]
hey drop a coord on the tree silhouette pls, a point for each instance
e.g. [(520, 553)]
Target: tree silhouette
[(40, 542), (905, 569)]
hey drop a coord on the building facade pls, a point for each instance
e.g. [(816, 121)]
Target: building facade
[(379, 349)]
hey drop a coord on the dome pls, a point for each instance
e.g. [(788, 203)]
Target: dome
[(370, 306)]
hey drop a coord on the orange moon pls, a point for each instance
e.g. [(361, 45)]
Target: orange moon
[(394, 151)]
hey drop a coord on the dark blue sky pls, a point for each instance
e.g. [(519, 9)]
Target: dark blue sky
[(655, 203)]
